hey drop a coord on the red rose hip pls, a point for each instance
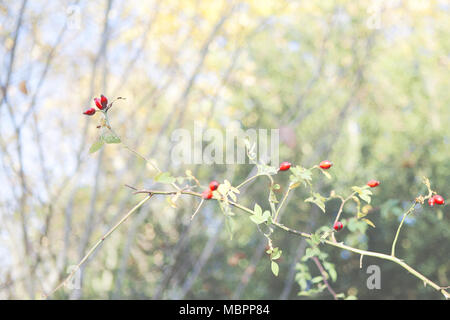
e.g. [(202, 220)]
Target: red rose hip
[(207, 194), (89, 112), (326, 164), (285, 166), (338, 226), (373, 183), (98, 103), (213, 185), (431, 202), (438, 199), (104, 101)]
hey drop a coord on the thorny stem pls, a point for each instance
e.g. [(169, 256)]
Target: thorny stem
[(247, 181), (340, 245), (274, 223), (196, 210), (281, 204), (419, 199), (341, 208), (399, 227), (328, 242), (98, 243), (371, 254), (126, 146)]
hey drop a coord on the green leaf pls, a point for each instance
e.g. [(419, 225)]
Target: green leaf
[(363, 193), (276, 254), (318, 200), (299, 175), (257, 210), (365, 197), (331, 270), (97, 145), (317, 279), (111, 138), (370, 223), (275, 268), (165, 177), (302, 173), (257, 219), (310, 252), (315, 238)]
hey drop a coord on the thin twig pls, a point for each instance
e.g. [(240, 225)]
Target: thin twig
[(98, 243), (324, 276)]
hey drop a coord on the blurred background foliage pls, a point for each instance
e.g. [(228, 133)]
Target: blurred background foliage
[(362, 83)]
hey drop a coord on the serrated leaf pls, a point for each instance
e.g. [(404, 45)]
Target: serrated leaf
[(315, 238), (97, 145), (318, 200), (365, 197), (275, 268), (370, 223), (302, 173)]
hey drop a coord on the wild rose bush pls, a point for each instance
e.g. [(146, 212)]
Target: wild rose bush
[(268, 221)]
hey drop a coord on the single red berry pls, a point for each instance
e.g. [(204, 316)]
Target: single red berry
[(285, 166), (338, 226), (325, 164), (373, 183), (98, 103), (207, 194), (213, 185), (431, 202), (89, 112), (438, 199), (104, 101)]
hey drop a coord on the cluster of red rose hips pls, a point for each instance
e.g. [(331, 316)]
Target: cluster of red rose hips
[(207, 194), (325, 165), (101, 103), (436, 199)]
